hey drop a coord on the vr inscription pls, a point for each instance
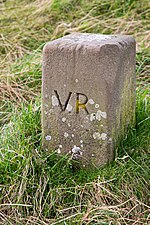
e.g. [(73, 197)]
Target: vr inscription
[(78, 103)]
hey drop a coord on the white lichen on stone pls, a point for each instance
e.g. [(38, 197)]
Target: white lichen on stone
[(92, 117), (104, 115), (76, 149), (66, 134), (63, 119), (103, 136), (97, 135), (55, 101), (77, 152), (91, 101), (98, 115), (69, 107), (58, 151), (48, 138), (96, 106)]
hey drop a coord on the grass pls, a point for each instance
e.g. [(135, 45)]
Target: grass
[(37, 187)]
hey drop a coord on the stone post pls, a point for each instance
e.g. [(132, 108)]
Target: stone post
[(88, 95)]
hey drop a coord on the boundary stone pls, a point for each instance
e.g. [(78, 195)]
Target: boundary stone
[(88, 95)]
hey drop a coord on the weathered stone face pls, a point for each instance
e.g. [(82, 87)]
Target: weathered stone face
[(88, 95)]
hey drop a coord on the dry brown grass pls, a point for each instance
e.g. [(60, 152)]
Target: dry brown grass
[(93, 203), (25, 24)]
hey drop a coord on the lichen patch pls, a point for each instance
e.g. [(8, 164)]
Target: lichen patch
[(66, 134), (96, 106), (55, 101), (97, 135), (69, 107), (76, 149), (77, 152), (63, 119), (91, 101), (48, 138), (58, 151), (98, 115), (103, 136), (92, 117), (104, 115)]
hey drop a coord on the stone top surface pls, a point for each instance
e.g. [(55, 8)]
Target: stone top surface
[(93, 39)]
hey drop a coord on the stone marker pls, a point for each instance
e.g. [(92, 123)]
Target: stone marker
[(88, 95)]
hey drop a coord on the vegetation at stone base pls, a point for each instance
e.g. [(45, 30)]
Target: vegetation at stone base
[(36, 186), (39, 188)]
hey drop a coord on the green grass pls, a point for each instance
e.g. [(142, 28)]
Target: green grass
[(37, 187), (54, 187)]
